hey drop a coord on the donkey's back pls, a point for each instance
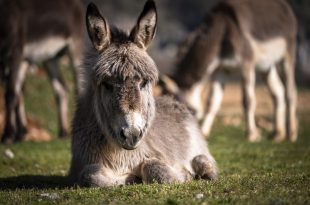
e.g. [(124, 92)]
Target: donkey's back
[(269, 27), (263, 19), (50, 26)]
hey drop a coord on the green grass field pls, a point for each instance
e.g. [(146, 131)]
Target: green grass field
[(250, 173)]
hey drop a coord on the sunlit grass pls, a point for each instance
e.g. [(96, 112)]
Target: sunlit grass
[(250, 173)]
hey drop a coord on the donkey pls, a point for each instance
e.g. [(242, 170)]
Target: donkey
[(241, 36), (33, 32), (121, 134)]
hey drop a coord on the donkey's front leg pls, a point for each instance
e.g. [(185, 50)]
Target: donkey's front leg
[(276, 88), (60, 90), (249, 101), (16, 124), (214, 102), (21, 119), (291, 93), (156, 171), (95, 175)]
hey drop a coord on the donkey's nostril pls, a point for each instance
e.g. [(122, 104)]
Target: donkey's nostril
[(122, 134), (140, 134)]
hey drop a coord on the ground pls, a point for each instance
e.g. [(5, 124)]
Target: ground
[(250, 173)]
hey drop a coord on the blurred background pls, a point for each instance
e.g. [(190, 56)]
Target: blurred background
[(177, 19)]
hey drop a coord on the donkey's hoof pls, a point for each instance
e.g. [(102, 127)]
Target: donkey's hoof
[(7, 140), (21, 135), (205, 131), (254, 137), (204, 168), (292, 137), (20, 138), (278, 137), (155, 171), (63, 134)]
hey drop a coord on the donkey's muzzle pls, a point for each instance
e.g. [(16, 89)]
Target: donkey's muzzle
[(130, 137)]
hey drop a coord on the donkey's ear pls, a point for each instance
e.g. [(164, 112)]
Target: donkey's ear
[(97, 28), (144, 31)]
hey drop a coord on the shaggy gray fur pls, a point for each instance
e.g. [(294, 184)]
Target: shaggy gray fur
[(121, 134)]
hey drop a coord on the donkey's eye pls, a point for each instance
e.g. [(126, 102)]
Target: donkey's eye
[(108, 86), (143, 84)]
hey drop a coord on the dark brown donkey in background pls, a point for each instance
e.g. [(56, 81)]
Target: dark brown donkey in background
[(32, 32), (242, 36)]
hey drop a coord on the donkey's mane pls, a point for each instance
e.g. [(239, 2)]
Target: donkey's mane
[(119, 36)]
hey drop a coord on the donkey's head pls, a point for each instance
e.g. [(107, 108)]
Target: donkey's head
[(123, 76)]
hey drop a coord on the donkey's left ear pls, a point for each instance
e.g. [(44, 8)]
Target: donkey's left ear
[(97, 28), (144, 31)]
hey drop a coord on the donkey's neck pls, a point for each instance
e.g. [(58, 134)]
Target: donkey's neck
[(201, 52), (121, 160)]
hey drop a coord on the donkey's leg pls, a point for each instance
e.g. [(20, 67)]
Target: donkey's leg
[(95, 175), (249, 101), (214, 102), (156, 171), (291, 94), (13, 98), (60, 95), (21, 119), (276, 88), (10, 115), (204, 167)]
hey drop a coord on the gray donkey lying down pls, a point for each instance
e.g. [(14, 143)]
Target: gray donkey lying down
[(121, 134)]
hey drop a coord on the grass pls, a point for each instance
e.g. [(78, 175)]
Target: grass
[(250, 173)]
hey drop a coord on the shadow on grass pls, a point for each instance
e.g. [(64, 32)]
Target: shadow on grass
[(33, 181)]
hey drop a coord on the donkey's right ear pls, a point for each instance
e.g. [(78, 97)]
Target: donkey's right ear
[(144, 31), (97, 28)]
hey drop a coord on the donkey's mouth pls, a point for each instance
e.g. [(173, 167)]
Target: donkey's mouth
[(129, 143), (125, 143), (129, 147)]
